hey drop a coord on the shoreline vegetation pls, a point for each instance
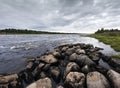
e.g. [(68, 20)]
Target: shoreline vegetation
[(109, 36), (26, 31)]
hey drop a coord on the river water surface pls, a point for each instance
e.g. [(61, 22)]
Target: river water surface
[(15, 48)]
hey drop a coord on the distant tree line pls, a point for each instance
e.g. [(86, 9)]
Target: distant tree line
[(25, 31), (102, 30), (112, 32)]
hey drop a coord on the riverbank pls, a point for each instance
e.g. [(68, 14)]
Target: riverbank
[(112, 40), (67, 66)]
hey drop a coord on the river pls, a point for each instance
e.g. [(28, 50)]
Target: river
[(15, 48)]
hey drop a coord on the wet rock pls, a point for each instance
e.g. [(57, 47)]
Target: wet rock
[(73, 57), (60, 86), (64, 48), (30, 66), (41, 74), (56, 54), (9, 78), (30, 59), (97, 80), (27, 76), (10, 81), (80, 51), (74, 80), (14, 84), (4, 85), (114, 62), (101, 69), (83, 60), (114, 77), (95, 57), (85, 69), (98, 48), (49, 59), (41, 83), (104, 57), (41, 70), (71, 66), (77, 47), (70, 51), (55, 73)]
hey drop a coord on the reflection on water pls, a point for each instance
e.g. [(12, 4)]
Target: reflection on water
[(14, 48)]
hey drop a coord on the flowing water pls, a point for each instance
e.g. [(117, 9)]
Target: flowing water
[(15, 48)]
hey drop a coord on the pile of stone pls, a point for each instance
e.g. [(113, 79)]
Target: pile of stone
[(67, 66)]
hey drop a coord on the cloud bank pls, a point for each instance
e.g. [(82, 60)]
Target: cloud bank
[(84, 16)]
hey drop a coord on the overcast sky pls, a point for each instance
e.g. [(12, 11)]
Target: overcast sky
[(84, 16)]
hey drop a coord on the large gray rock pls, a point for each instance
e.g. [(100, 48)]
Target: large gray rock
[(114, 77), (85, 69), (41, 83), (4, 85), (83, 60), (71, 66), (10, 81), (73, 57), (50, 59), (97, 80), (56, 54), (70, 51), (80, 51), (9, 78), (55, 73), (74, 80), (64, 48), (95, 57)]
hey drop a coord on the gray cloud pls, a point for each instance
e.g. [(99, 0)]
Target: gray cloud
[(60, 15)]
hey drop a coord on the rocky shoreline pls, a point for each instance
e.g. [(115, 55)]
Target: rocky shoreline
[(67, 66)]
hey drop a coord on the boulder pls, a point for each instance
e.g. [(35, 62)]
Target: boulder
[(85, 69), (27, 76), (101, 69), (49, 59), (83, 60), (55, 73), (74, 80), (77, 46), (15, 84), (73, 57), (96, 80), (8, 78), (88, 46), (70, 51), (59, 86), (80, 51), (114, 62), (114, 78), (95, 57), (56, 54), (41, 83), (4, 85), (71, 66), (10, 81), (30, 66), (30, 59), (64, 48)]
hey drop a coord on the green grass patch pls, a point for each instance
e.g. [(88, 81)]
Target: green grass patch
[(113, 40), (116, 56)]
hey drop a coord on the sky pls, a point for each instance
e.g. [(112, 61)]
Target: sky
[(78, 16)]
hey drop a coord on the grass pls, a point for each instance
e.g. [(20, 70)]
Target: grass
[(116, 56), (113, 40)]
